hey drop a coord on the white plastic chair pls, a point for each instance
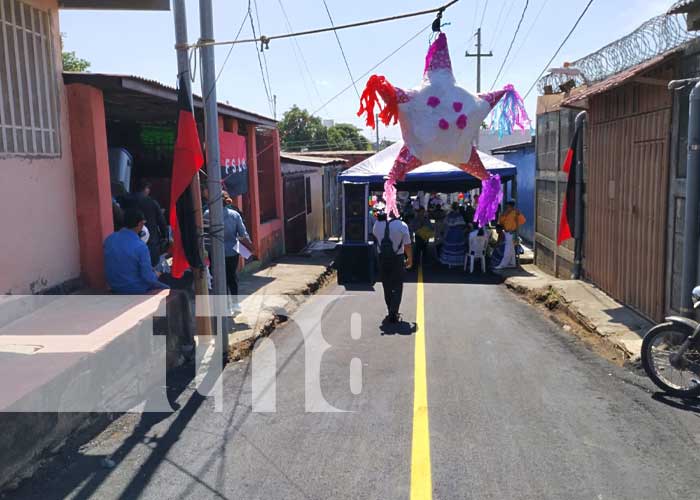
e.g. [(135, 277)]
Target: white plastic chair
[(477, 250)]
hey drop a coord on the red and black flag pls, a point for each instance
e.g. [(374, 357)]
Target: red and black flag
[(187, 160), (567, 220)]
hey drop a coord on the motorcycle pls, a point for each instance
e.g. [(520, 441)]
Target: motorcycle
[(671, 354)]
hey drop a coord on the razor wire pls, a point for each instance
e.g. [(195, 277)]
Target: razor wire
[(655, 37)]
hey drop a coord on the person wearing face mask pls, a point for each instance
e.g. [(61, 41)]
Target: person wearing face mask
[(128, 266)]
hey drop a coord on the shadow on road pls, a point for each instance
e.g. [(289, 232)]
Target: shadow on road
[(689, 405), (400, 328)]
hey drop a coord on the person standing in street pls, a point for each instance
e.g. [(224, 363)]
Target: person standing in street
[(234, 230), (395, 254)]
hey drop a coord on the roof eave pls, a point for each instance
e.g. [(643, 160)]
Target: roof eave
[(150, 5)]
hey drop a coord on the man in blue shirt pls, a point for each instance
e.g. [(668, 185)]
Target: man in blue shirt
[(127, 259), (234, 230)]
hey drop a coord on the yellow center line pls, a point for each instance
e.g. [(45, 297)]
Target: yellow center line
[(421, 477)]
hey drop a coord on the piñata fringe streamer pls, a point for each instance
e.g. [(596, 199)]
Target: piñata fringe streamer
[(509, 113), (378, 87), (489, 199)]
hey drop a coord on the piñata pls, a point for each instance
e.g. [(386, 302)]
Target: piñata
[(440, 121)]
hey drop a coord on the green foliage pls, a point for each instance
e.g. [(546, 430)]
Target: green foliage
[(346, 137), (72, 62), (385, 143), (298, 129), (301, 131)]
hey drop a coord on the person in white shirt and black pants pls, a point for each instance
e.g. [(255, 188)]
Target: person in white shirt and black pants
[(393, 260)]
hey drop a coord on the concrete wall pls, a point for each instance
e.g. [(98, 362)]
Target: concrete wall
[(40, 246)]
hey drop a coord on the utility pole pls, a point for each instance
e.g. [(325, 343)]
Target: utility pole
[(376, 123), (211, 130), (183, 68), (478, 56)]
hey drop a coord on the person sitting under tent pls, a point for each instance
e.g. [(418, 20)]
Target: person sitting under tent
[(454, 242), (503, 256)]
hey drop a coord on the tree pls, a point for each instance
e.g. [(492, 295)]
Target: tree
[(299, 130), (72, 62), (346, 137), (385, 143)]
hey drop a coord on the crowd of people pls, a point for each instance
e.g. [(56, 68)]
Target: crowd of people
[(405, 242), (450, 227), (138, 254)]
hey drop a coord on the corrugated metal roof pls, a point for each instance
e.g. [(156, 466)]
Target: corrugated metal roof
[(309, 160), (109, 81), (619, 79), (683, 6)]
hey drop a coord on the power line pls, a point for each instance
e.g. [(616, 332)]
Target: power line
[(476, 14), (337, 38), (267, 72), (265, 40), (260, 64), (228, 54), (498, 28), (527, 35), (510, 47), (483, 14), (566, 39), (373, 68), (299, 55)]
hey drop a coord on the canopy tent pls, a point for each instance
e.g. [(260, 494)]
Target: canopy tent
[(437, 176)]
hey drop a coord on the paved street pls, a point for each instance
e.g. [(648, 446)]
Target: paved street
[(516, 409)]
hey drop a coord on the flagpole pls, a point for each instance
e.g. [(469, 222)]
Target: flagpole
[(211, 129), (200, 276)]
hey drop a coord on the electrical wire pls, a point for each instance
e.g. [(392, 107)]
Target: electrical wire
[(267, 72), (498, 27), (373, 68), (299, 55), (228, 54), (258, 53), (265, 40), (561, 46), (483, 14), (512, 41), (340, 45), (476, 15), (527, 35)]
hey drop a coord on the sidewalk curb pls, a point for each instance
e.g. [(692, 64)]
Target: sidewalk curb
[(552, 299), (242, 347)]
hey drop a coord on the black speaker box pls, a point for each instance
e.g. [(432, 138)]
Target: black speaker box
[(357, 264)]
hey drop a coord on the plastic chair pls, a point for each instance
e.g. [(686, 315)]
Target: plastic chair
[(477, 250)]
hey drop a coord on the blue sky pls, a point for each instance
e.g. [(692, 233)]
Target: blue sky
[(142, 44)]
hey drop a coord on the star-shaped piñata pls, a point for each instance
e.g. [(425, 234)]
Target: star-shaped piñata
[(440, 121)]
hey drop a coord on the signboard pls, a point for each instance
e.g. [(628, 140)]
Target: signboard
[(234, 162)]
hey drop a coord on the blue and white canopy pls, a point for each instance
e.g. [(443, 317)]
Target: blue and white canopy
[(437, 176)]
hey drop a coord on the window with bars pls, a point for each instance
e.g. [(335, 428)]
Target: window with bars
[(28, 87)]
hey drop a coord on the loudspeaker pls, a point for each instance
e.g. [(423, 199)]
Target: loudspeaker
[(355, 198), (357, 264)]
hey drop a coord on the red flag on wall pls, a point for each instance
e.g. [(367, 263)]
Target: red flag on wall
[(567, 219), (187, 160)]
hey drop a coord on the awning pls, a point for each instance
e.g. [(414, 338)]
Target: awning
[(436, 176)]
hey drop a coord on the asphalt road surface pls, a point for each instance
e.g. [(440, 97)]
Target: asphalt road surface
[(474, 396)]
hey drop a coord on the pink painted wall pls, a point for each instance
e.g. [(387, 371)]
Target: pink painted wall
[(39, 247)]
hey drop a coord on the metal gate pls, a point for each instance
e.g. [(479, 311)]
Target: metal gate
[(627, 195), (294, 214)]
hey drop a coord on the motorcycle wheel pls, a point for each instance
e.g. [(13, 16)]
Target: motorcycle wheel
[(657, 347)]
